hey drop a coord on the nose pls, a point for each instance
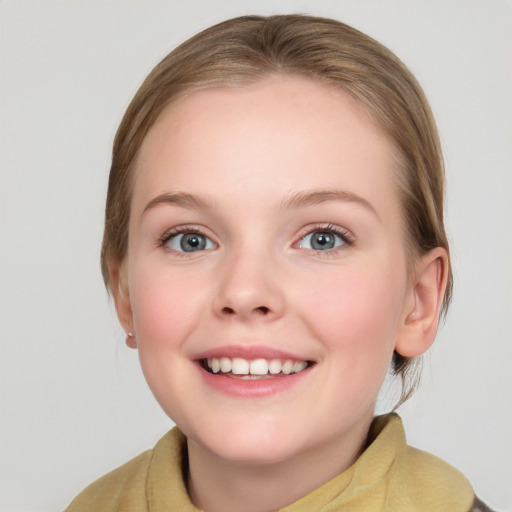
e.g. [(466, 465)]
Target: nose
[(250, 288)]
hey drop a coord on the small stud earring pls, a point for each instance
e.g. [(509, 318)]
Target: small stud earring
[(131, 335)]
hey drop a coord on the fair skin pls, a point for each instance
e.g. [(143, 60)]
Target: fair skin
[(266, 225)]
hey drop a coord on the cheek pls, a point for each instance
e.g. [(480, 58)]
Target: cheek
[(166, 309), (358, 312), (165, 304)]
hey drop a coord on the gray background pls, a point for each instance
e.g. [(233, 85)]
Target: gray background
[(73, 401)]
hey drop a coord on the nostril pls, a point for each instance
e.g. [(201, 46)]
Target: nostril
[(262, 310)]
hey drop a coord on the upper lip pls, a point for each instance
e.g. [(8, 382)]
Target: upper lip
[(248, 352)]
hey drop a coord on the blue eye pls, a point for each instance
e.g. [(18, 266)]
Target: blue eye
[(321, 241), (189, 242)]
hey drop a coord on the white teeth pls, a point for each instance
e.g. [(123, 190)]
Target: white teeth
[(256, 367), (287, 367), (215, 365), (240, 366), (225, 364), (299, 366), (274, 366)]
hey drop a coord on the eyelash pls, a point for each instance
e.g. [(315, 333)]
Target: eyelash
[(171, 233), (345, 235)]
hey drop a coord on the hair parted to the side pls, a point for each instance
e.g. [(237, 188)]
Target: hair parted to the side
[(244, 50)]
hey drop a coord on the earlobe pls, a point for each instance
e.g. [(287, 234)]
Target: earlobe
[(122, 302), (130, 340), (427, 293)]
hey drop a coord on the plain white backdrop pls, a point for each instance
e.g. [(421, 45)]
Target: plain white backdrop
[(74, 404)]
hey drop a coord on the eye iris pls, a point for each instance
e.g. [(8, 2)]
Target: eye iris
[(322, 240), (192, 242)]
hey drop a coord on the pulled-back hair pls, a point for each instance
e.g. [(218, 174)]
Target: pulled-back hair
[(245, 50)]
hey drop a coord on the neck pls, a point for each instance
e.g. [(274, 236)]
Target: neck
[(216, 484)]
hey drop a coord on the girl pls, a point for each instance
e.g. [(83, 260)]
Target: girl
[(274, 242)]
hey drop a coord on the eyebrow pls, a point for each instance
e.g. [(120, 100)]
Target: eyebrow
[(299, 199), (180, 199), (313, 197)]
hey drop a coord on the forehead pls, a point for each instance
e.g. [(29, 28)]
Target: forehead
[(283, 133)]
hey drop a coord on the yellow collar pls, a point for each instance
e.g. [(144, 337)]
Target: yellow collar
[(390, 476)]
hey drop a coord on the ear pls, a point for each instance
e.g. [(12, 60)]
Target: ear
[(122, 302), (424, 304)]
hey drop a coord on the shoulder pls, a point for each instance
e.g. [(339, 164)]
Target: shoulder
[(123, 489), (433, 480), (419, 481), (126, 489), (434, 471), (441, 484)]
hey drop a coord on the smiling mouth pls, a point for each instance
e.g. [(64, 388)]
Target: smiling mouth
[(252, 369)]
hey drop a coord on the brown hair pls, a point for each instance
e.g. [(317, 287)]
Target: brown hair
[(244, 50)]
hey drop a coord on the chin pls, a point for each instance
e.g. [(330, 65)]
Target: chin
[(255, 454), (262, 444)]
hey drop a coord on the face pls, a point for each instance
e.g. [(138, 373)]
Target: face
[(266, 279)]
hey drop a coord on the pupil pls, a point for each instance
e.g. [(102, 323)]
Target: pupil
[(192, 242), (323, 240)]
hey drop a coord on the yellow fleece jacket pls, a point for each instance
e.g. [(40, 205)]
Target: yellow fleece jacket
[(390, 476)]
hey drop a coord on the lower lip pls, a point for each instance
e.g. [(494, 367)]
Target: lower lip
[(254, 388)]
